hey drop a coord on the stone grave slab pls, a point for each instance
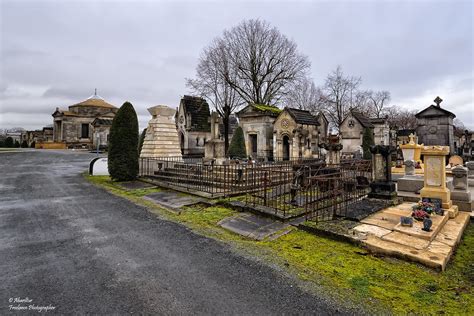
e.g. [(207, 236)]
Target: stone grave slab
[(172, 200), (407, 240), (133, 185), (361, 209), (253, 226), (451, 232), (384, 219), (425, 257), (440, 248), (372, 230), (416, 230)]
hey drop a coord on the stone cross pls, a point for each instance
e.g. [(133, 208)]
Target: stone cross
[(438, 100), (412, 139)]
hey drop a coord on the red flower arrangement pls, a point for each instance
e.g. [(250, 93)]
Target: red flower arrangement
[(422, 210)]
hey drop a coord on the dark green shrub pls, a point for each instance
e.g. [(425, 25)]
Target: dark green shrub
[(17, 144), (123, 144), (33, 144), (367, 142), (237, 145), (140, 142), (9, 142), (24, 144)]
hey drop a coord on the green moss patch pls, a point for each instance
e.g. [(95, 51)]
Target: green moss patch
[(343, 271)]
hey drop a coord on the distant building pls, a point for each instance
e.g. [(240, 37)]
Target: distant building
[(295, 135), (37, 136), (352, 130), (403, 136), (193, 124), (435, 126), (84, 124), (256, 121)]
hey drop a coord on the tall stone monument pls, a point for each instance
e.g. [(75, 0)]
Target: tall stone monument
[(435, 177), (161, 138), (382, 187), (215, 147)]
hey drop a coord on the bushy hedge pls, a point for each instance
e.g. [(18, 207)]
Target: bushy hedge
[(237, 145), (123, 144)]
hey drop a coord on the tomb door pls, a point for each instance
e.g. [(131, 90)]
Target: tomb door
[(286, 148), (181, 142), (253, 144)]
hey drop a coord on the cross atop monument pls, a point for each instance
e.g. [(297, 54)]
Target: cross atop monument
[(412, 139), (438, 100)]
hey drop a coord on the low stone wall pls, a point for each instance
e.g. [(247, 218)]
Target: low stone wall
[(52, 145)]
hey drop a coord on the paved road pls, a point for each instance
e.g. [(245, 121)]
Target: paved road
[(66, 244)]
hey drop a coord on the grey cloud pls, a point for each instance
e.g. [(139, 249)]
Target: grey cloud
[(55, 53)]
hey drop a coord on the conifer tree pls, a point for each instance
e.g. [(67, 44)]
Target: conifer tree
[(9, 142), (24, 144), (237, 145), (123, 144), (367, 142), (141, 140)]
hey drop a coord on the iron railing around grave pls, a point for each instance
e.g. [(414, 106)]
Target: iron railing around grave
[(317, 190), (196, 175)]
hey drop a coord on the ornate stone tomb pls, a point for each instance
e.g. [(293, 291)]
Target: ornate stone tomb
[(435, 177), (161, 139)]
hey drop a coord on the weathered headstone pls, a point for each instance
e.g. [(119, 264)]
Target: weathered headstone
[(409, 167), (455, 161), (461, 190), (382, 187)]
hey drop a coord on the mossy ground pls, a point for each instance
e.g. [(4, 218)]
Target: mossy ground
[(345, 271)]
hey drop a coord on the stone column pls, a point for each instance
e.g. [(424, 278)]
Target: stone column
[(161, 139), (435, 175), (382, 187)]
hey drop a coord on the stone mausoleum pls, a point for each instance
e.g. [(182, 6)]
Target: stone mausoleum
[(295, 134), (193, 124), (257, 121), (435, 126), (352, 131), (85, 124)]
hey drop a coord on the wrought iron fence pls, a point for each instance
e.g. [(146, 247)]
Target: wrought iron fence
[(317, 189), (236, 177)]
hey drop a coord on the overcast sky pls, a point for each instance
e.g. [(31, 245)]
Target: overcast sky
[(54, 53)]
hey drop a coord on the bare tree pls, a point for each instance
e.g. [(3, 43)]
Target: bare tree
[(262, 62), (210, 83), (378, 101), (360, 101), (459, 124), (304, 95), (400, 118), (338, 90)]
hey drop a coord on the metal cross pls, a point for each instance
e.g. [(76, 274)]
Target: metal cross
[(438, 100)]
